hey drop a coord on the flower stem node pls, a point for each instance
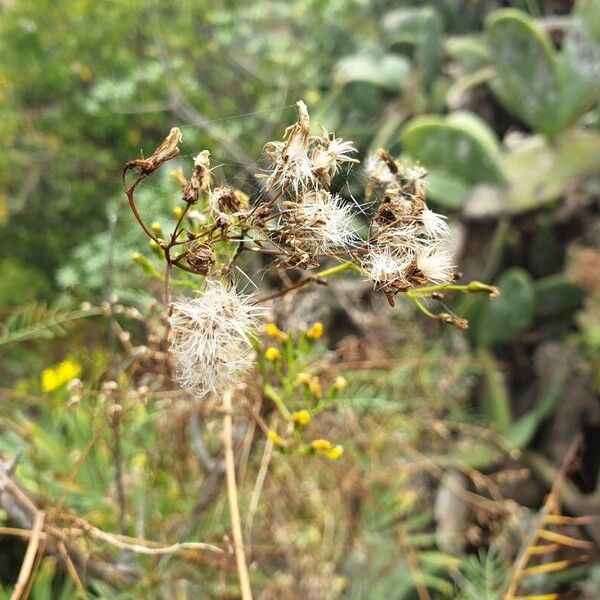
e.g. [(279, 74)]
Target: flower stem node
[(475, 287), (301, 418), (315, 331), (272, 354)]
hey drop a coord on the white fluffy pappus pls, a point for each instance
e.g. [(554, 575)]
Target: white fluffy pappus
[(324, 222), (291, 164), (387, 268), (434, 225), (329, 155), (378, 171), (436, 264), (210, 338)]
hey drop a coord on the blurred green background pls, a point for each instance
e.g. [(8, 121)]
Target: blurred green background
[(498, 100)]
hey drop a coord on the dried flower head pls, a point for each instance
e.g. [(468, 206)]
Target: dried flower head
[(378, 171), (291, 164), (328, 154), (303, 161), (388, 270), (200, 178), (435, 264), (226, 203), (319, 223), (211, 338), (166, 151)]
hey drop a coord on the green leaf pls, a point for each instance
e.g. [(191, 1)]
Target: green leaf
[(469, 51), (579, 61), (555, 295), (538, 174), (502, 319), (523, 430), (527, 80), (446, 190), (423, 28), (460, 145), (388, 71)]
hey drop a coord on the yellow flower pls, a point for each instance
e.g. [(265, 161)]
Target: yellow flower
[(315, 388), (275, 438), (301, 417), (321, 444), (340, 383), (335, 452), (272, 354), (315, 331), (275, 332), (54, 378), (303, 379)]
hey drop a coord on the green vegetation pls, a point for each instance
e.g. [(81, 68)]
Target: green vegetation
[(378, 453)]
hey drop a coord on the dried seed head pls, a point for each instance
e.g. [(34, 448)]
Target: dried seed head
[(328, 154), (291, 164), (166, 151), (319, 223), (435, 264), (434, 225), (211, 338), (201, 258), (226, 203), (200, 178), (388, 270)]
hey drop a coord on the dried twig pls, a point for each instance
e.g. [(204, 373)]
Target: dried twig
[(28, 562), (232, 495)]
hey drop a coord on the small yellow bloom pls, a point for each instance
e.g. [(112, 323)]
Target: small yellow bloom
[(301, 417), (321, 444), (340, 383), (315, 388), (272, 354), (274, 331), (178, 211), (55, 377), (303, 379), (335, 452), (276, 439), (315, 331)]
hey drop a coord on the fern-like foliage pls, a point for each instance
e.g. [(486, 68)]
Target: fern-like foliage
[(37, 321), (485, 576)]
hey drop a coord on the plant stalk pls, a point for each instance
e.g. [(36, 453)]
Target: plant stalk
[(232, 496)]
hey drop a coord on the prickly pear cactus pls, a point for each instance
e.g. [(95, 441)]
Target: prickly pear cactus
[(546, 89), (527, 79), (460, 145)]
